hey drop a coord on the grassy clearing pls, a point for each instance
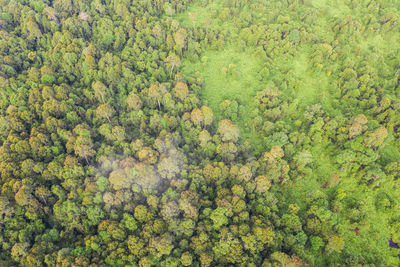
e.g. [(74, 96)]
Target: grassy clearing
[(229, 74), (313, 84)]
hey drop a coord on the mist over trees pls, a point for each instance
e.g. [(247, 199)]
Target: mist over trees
[(199, 133)]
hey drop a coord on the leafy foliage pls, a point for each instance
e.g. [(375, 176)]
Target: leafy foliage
[(199, 133)]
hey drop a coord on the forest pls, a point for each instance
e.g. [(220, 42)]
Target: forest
[(199, 133)]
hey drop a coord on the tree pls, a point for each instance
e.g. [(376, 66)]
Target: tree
[(335, 244), (197, 116), (218, 216), (181, 90), (100, 91), (82, 142), (228, 130), (170, 211), (118, 134), (84, 149), (358, 125), (19, 250), (134, 102), (180, 39), (375, 138), (161, 245), (229, 109), (24, 196), (173, 61), (156, 93), (262, 184), (129, 222), (69, 214), (136, 245), (244, 174), (157, 31), (186, 259), (105, 111), (169, 165), (42, 193), (32, 29), (264, 235), (228, 249), (227, 151), (148, 155), (141, 213), (208, 115), (119, 180)]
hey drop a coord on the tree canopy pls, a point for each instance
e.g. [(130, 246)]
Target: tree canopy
[(199, 133)]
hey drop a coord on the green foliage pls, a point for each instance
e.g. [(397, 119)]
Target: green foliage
[(199, 133), (218, 216), (102, 183), (129, 222)]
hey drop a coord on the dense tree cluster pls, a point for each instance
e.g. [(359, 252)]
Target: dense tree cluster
[(109, 156)]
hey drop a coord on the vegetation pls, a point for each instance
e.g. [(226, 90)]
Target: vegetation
[(199, 133)]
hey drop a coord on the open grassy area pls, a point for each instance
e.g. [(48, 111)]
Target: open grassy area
[(229, 74), (313, 83)]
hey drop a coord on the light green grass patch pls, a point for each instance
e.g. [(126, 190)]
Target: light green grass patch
[(313, 83), (229, 74)]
